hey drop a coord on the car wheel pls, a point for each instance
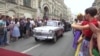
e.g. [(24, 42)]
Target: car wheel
[(37, 40), (62, 35), (54, 39)]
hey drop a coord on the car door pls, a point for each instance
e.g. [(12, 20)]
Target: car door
[(60, 30)]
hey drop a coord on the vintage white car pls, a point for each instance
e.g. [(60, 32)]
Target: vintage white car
[(51, 31)]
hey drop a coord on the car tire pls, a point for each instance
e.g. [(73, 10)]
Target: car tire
[(62, 35), (37, 40), (54, 40)]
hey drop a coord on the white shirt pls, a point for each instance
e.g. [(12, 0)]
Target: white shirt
[(32, 23)]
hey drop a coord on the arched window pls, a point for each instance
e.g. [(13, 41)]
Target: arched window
[(46, 13), (27, 3)]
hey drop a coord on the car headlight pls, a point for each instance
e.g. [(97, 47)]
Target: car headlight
[(51, 31)]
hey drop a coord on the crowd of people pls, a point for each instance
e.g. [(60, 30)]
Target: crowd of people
[(88, 27), (12, 29)]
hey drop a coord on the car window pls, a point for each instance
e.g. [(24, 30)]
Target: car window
[(60, 24), (51, 23)]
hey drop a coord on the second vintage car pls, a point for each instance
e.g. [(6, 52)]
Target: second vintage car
[(51, 31)]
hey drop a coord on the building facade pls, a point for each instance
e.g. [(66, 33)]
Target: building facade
[(34, 8), (18, 8), (52, 9), (97, 5)]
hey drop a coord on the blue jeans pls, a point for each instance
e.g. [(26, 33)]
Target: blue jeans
[(1, 39), (5, 37)]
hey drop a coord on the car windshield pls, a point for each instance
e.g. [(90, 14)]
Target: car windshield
[(51, 23)]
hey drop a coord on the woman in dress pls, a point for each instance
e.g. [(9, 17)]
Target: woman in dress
[(16, 31), (77, 32)]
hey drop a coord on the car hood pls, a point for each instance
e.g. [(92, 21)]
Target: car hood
[(45, 28)]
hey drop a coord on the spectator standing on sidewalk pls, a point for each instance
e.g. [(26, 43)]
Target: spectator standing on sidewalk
[(32, 25), (1, 32), (16, 31), (22, 27), (5, 29), (28, 28), (8, 22)]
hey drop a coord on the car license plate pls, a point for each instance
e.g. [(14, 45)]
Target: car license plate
[(42, 37)]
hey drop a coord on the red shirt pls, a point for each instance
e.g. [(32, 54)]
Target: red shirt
[(88, 32)]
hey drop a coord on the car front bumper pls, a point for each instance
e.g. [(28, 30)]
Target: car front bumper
[(43, 37)]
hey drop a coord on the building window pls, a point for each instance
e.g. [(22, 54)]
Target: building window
[(98, 3), (11, 1), (94, 4), (27, 3)]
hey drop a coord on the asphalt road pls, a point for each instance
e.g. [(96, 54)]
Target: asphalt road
[(63, 47)]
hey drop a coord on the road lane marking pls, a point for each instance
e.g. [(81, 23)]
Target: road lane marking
[(27, 50)]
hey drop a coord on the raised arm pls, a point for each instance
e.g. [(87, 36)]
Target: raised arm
[(80, 27)]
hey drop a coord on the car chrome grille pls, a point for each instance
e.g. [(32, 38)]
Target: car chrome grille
[(41, 34), (38, 33)]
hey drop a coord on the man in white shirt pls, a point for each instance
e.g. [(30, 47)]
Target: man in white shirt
[(32, 25)]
